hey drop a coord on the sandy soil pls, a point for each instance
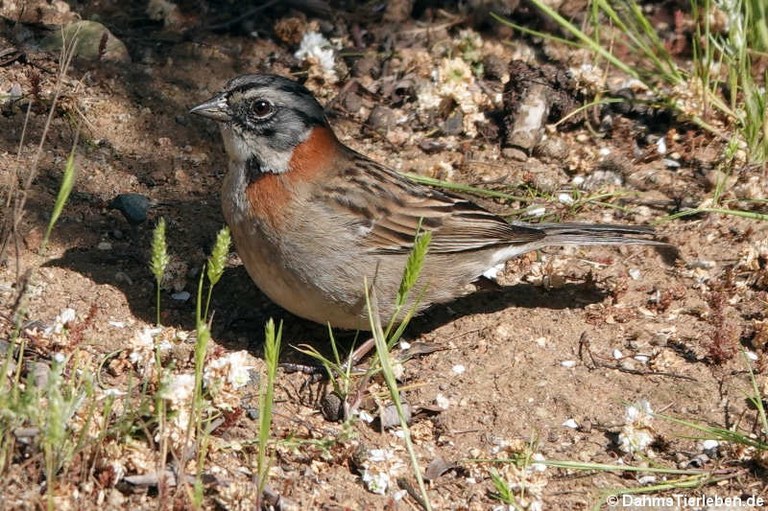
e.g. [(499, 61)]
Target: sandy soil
[(548, 365)]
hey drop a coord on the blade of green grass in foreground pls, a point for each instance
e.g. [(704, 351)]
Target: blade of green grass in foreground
[(339, 372), (216, 264), (732, 212), (411, 273), (384, 341), (272, 340), (65, 189), (387, 370), (159, 260)]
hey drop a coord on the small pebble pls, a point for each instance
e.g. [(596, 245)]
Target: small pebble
[(352, 102), (601, 179), (540, 211), (568, 363), (635, 274), (382, 118), (389, 417), (104, 245), (431, 146), (15, 92), (133, 206), (627, 364), (181, 296), (365, 417), (454, 124), (513, 153), (570, 423), (552, 148), (458, 369), (617, 354), (332, 407)]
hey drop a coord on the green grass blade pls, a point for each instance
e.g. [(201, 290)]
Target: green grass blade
[(159, 259), (387, 370), (65, 189), (587, 41), (266, 398), (463, 188), (216, 264)]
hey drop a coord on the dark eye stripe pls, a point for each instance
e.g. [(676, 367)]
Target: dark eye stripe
[(308, 119)]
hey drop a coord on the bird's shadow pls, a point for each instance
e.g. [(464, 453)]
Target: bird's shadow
[(241, 310), (575, 295), (240, 322)]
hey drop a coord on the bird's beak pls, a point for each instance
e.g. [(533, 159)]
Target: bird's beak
[(215, 108)]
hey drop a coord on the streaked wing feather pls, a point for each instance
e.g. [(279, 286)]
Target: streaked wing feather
[(392, 210)]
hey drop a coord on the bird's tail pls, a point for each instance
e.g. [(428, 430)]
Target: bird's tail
[(598, 234), (579, 234)]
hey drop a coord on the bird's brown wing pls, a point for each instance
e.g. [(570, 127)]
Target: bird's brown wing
[(387, 210)]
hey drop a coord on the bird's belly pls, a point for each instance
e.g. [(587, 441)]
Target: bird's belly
[(283, 271), (287, 287)]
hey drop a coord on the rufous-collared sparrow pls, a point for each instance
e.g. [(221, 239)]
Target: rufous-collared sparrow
[(313, 219)]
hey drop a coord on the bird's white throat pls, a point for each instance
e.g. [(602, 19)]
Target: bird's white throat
[(242, 147)]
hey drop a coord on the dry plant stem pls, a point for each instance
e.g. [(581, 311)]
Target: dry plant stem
[(7, 229), (17, 198)]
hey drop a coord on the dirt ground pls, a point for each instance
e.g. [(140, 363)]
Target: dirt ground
[(546, 366)]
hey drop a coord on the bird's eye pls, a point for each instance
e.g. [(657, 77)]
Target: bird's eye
[(262, 108)]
